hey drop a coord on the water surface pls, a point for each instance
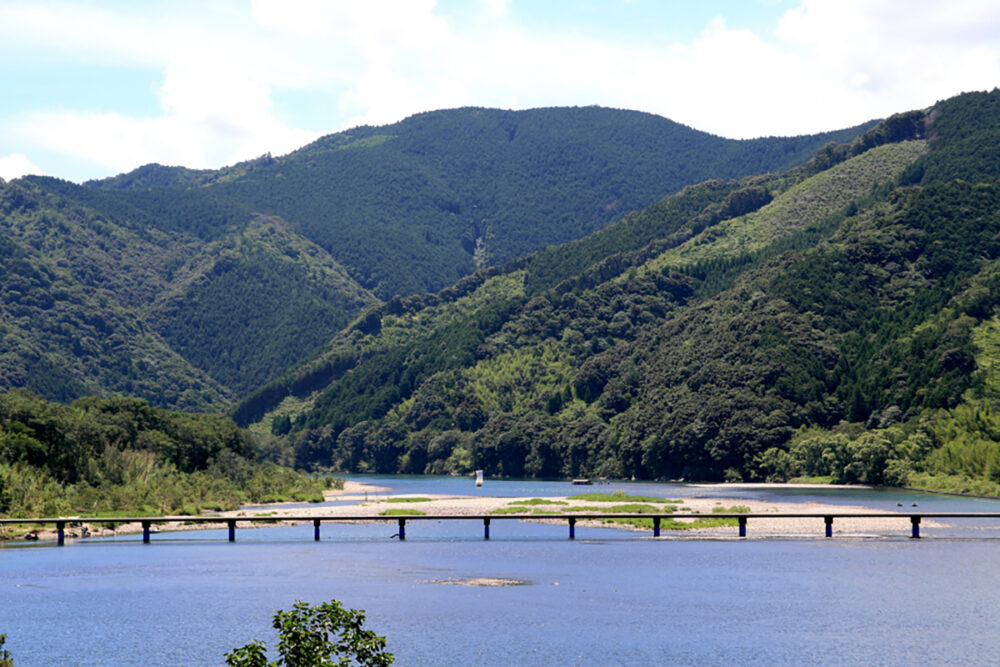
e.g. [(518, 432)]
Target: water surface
[(608, 598)]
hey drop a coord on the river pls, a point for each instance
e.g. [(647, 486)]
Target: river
[(608, 598)]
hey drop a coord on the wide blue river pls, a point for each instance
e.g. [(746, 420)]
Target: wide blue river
[(608, 598)]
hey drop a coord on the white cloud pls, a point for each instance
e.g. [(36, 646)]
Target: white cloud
[(119, 143), (84, 34), (215, 98), (881, 56), (373, 25), (16, 165), (826, 64)]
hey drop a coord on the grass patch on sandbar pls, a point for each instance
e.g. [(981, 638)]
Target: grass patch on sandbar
[(619, 496), (401, 512), (735, 509), (145, 512), (674, 524), (538, 501), (411, 499)]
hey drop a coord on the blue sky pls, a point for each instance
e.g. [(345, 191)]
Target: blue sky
[(91, 89)]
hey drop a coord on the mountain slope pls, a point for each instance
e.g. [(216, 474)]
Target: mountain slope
[(446, 192), (218, 281), (73, 286), (93, 304), (844, 298), (246, 305)]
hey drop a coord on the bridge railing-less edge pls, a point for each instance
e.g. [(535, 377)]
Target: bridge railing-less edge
[(742, 520)]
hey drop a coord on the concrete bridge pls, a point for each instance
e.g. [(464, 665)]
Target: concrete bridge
[(742, 519)]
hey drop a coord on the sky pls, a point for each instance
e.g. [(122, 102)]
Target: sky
[(89, 89)]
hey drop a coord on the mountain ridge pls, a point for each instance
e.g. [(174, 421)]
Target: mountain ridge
[(837, 342), (483, 186), (229, 277)]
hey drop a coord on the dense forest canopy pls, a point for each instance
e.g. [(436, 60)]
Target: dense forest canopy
[(193, 288), (445, 192), (836, 320), (119, 454)]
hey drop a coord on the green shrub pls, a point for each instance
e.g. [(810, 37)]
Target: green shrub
[(317, 636)]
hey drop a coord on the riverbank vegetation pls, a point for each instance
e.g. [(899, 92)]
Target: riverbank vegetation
[(954, 451), (101, 455)]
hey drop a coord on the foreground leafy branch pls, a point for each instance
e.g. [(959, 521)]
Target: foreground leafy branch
[(5, 659), (317, 636)]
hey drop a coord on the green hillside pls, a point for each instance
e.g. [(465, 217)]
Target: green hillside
[(446, 192), (835, 321), (72, 287), (250, 303), (102, 304), (194, 288)]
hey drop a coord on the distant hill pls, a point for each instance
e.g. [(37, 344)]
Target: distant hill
[(95, 304), (194, 288), (414, 206), (836, 321)]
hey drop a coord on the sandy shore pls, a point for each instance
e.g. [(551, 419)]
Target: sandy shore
[(368, 500), (472, 506)]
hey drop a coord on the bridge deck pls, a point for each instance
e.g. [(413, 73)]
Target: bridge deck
[(570, 517)]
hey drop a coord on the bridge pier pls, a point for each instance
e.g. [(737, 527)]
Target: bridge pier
[(402, 529), (656, 526), (828, 520), (61, 532), (486, 529), (743, 525), (316, 523), (145, 532), (915, 522), (232, 529), (572, 528)]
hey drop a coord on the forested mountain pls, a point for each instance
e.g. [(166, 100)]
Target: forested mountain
[(414, 206), (92, 303), (192, 288), (837, 320)]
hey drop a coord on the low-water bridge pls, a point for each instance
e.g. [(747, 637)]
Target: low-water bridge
[(657, 519)]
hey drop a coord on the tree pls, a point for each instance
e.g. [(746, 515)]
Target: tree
[(322, 636), (5, 659), (775, 464), (4, 505)]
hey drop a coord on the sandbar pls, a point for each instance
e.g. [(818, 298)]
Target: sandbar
[(367, 500)]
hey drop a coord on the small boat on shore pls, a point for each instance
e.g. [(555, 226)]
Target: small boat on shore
[(582, 482)]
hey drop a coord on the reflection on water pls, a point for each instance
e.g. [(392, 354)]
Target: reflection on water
[(607, 598)]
